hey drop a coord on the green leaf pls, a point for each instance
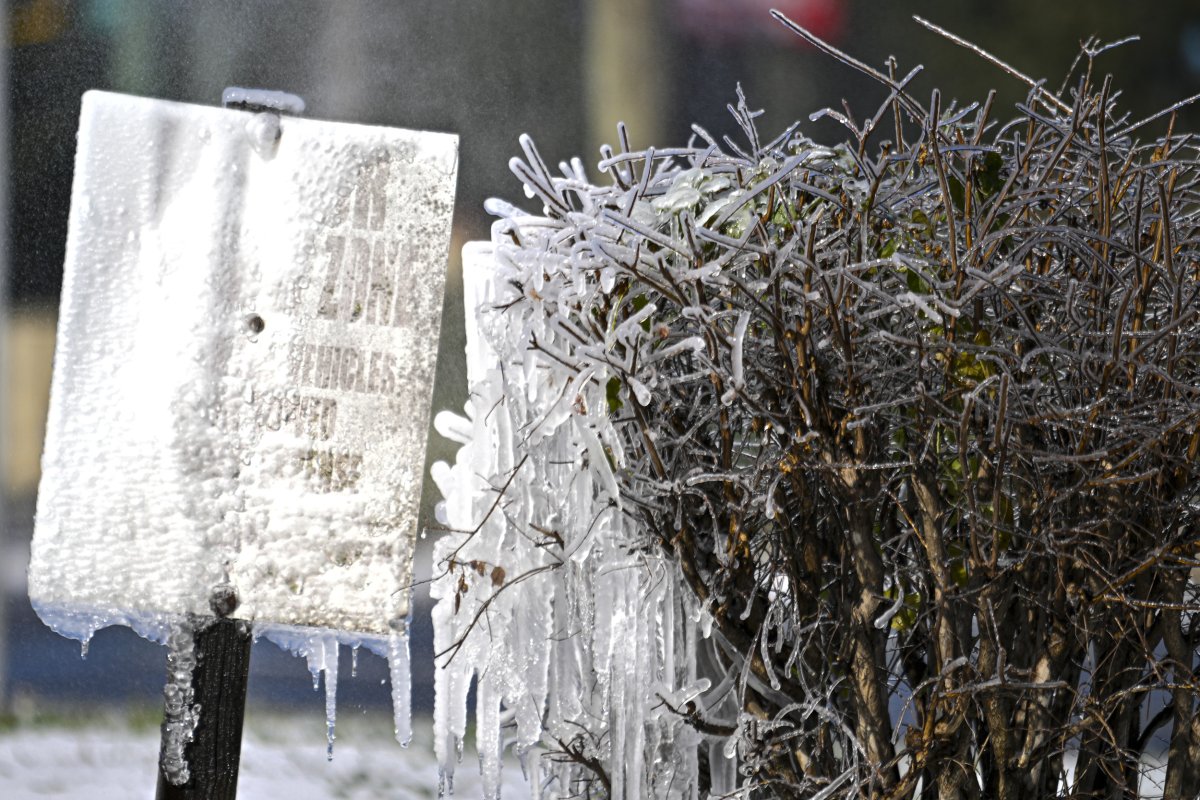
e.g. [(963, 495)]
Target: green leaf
[(639, 302), (906, 616), (958, 572), (613, 391), (957, 193), (915, 283), (921, 218), (989, 174)]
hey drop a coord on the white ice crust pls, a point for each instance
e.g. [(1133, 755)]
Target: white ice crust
[(263, 99), (574, 636), (244, 369)]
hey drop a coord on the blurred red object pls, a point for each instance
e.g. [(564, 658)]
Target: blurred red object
[(738, 21)]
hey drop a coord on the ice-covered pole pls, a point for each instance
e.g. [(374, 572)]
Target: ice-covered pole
[(208, 660), (208, 667)]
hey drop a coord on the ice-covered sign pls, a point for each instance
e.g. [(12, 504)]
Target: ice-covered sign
[(244, 368)]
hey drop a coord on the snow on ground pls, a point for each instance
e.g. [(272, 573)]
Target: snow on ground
[(282, 757)]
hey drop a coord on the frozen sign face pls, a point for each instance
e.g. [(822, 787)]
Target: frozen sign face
[(244, 369)]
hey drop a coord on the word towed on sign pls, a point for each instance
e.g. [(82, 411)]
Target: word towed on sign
[(244, 368)]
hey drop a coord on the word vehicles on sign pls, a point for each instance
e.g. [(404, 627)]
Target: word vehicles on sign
[(244, 368)]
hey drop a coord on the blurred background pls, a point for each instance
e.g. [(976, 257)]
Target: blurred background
[(564, 71)]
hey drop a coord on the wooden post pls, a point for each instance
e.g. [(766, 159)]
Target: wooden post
[(219, 681)]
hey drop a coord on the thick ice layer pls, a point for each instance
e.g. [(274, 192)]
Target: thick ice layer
[(244, 365), (577, 638), (180, 712), (82, 624)]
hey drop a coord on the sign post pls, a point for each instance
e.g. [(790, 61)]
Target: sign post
[(219, 677), (241, 394), (209, 752)]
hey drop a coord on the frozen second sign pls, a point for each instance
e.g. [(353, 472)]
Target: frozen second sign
[(244, 367)]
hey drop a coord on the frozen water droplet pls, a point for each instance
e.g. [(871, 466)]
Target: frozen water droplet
[(730, 748), (640, 391)]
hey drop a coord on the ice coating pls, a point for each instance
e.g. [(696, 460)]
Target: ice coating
[(180, 712), (245, 353), (577, 639), (284, 102), (243, 374)]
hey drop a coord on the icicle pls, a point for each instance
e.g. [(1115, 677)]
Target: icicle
[(618, 643), (487, 735), (738, 344), (330, 668), (445, 783), (444, 677), (722, 768), (83, 648), (321, 652), (319, 648), (354, 661), (581, 652), (636, 654), (398, 669)]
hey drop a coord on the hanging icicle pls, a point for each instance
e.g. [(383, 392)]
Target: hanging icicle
[(547, 596)]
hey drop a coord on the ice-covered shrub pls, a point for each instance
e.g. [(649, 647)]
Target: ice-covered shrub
[(865, 470)]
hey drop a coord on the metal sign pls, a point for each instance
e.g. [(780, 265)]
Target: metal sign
[(244, 368)]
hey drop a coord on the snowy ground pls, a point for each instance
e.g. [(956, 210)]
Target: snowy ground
[(282, 757)]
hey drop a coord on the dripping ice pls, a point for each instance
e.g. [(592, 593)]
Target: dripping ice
[(318, 647), (588, 639), (321, 648)]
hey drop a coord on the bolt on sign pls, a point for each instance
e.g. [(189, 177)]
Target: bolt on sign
[(244, 369)]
